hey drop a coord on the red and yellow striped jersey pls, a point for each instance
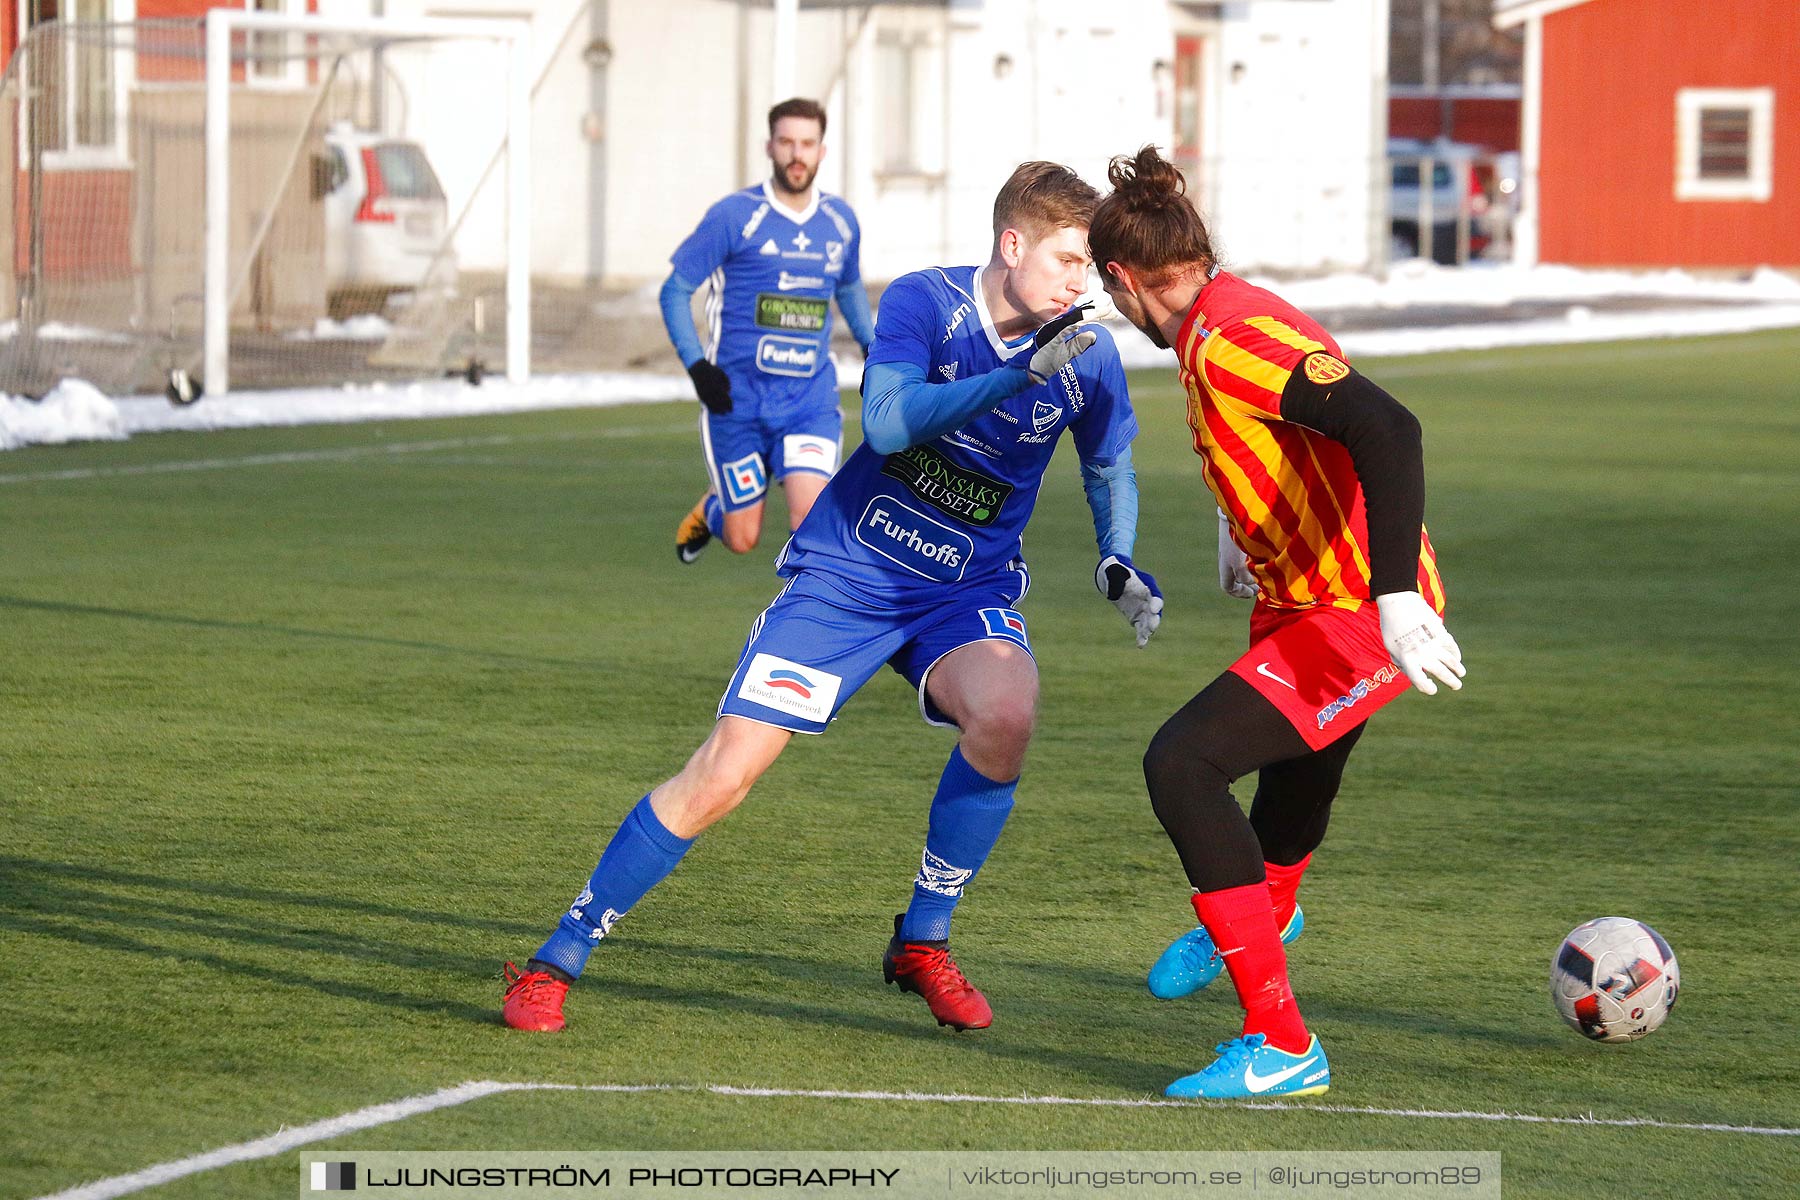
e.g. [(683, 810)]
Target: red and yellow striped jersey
[(1291, 494)]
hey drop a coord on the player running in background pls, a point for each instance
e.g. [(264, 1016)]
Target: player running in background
[(911, 558), (1320, 481), (774, 255)]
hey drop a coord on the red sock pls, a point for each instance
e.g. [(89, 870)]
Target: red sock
[(1284, 885), (1242, 925)]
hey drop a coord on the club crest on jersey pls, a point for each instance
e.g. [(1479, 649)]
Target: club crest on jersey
[(834, 257), (1044, 415), (790, 687), (745, 479), (1325, 369), (1005, 623)]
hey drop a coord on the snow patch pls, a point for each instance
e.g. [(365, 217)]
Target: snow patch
[(366, 328), (73, 411), (1767, 299)]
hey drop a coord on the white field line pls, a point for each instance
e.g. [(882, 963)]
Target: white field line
[(282, 1142), (412, 1106), (336, 454)]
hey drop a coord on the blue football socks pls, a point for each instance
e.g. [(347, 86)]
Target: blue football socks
[(715, 515), (966, 817), (640, 854)]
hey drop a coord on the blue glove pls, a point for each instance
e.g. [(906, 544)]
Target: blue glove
[(1133, 592)]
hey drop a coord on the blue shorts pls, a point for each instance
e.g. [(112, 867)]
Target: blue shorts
[(819, 642), (743, 454)]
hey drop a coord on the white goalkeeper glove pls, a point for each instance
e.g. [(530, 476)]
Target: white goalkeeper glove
[(1235, 578), (1133, 592), (1053, 346), (1417, 641)]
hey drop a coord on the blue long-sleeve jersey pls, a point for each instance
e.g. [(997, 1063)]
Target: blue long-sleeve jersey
[(772, 274), (925, 502)]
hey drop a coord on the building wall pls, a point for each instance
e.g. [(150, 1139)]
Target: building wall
[(999, 83), (1612, 69), (675, 141), (451, 98), (631, 146), (1297, 172)]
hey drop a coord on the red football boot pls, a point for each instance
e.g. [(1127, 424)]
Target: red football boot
[(534, 1000), (927, 969)]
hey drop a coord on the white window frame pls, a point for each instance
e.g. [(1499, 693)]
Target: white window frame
[(292, 71), (1760, 184), (114, 154)]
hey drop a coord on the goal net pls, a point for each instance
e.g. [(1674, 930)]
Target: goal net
[(256, 201)]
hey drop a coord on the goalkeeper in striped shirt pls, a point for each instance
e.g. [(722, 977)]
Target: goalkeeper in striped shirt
[(1319, 479)]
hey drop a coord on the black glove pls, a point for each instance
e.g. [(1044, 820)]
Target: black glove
[(712, 385)]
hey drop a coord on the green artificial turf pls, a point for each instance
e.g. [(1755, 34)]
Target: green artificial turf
[(295, 751)]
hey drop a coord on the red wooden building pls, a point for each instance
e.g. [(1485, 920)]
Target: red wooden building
[(1660, 132)]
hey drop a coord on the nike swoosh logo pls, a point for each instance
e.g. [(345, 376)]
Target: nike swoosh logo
[(1263, 670), (1262, 1083)]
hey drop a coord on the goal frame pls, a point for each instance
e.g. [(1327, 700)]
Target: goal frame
[(223, 23)]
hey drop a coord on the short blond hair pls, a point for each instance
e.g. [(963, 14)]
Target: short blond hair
[(1042, 197)]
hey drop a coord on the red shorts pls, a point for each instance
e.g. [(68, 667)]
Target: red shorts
[(1324, 668)]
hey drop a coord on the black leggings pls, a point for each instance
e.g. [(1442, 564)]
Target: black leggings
[(1221, 735)]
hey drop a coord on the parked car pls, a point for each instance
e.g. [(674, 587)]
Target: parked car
[(1448, 199), (385, 220)]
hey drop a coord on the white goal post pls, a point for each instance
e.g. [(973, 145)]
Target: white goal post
[(221, 26)]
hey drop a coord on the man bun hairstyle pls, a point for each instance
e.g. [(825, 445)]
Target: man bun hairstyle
[(1042, 197), (1147, 223), (799, 106)]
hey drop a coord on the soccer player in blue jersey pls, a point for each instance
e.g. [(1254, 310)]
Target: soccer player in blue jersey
[(911, 558), (774, 256)]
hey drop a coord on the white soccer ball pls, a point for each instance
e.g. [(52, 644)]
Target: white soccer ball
[(1614, 979)]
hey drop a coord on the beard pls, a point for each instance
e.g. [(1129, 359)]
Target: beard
[(1145, 326), (785, 178)]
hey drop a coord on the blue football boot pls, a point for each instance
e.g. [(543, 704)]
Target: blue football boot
[(1190, 962), (1247, 1069)]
